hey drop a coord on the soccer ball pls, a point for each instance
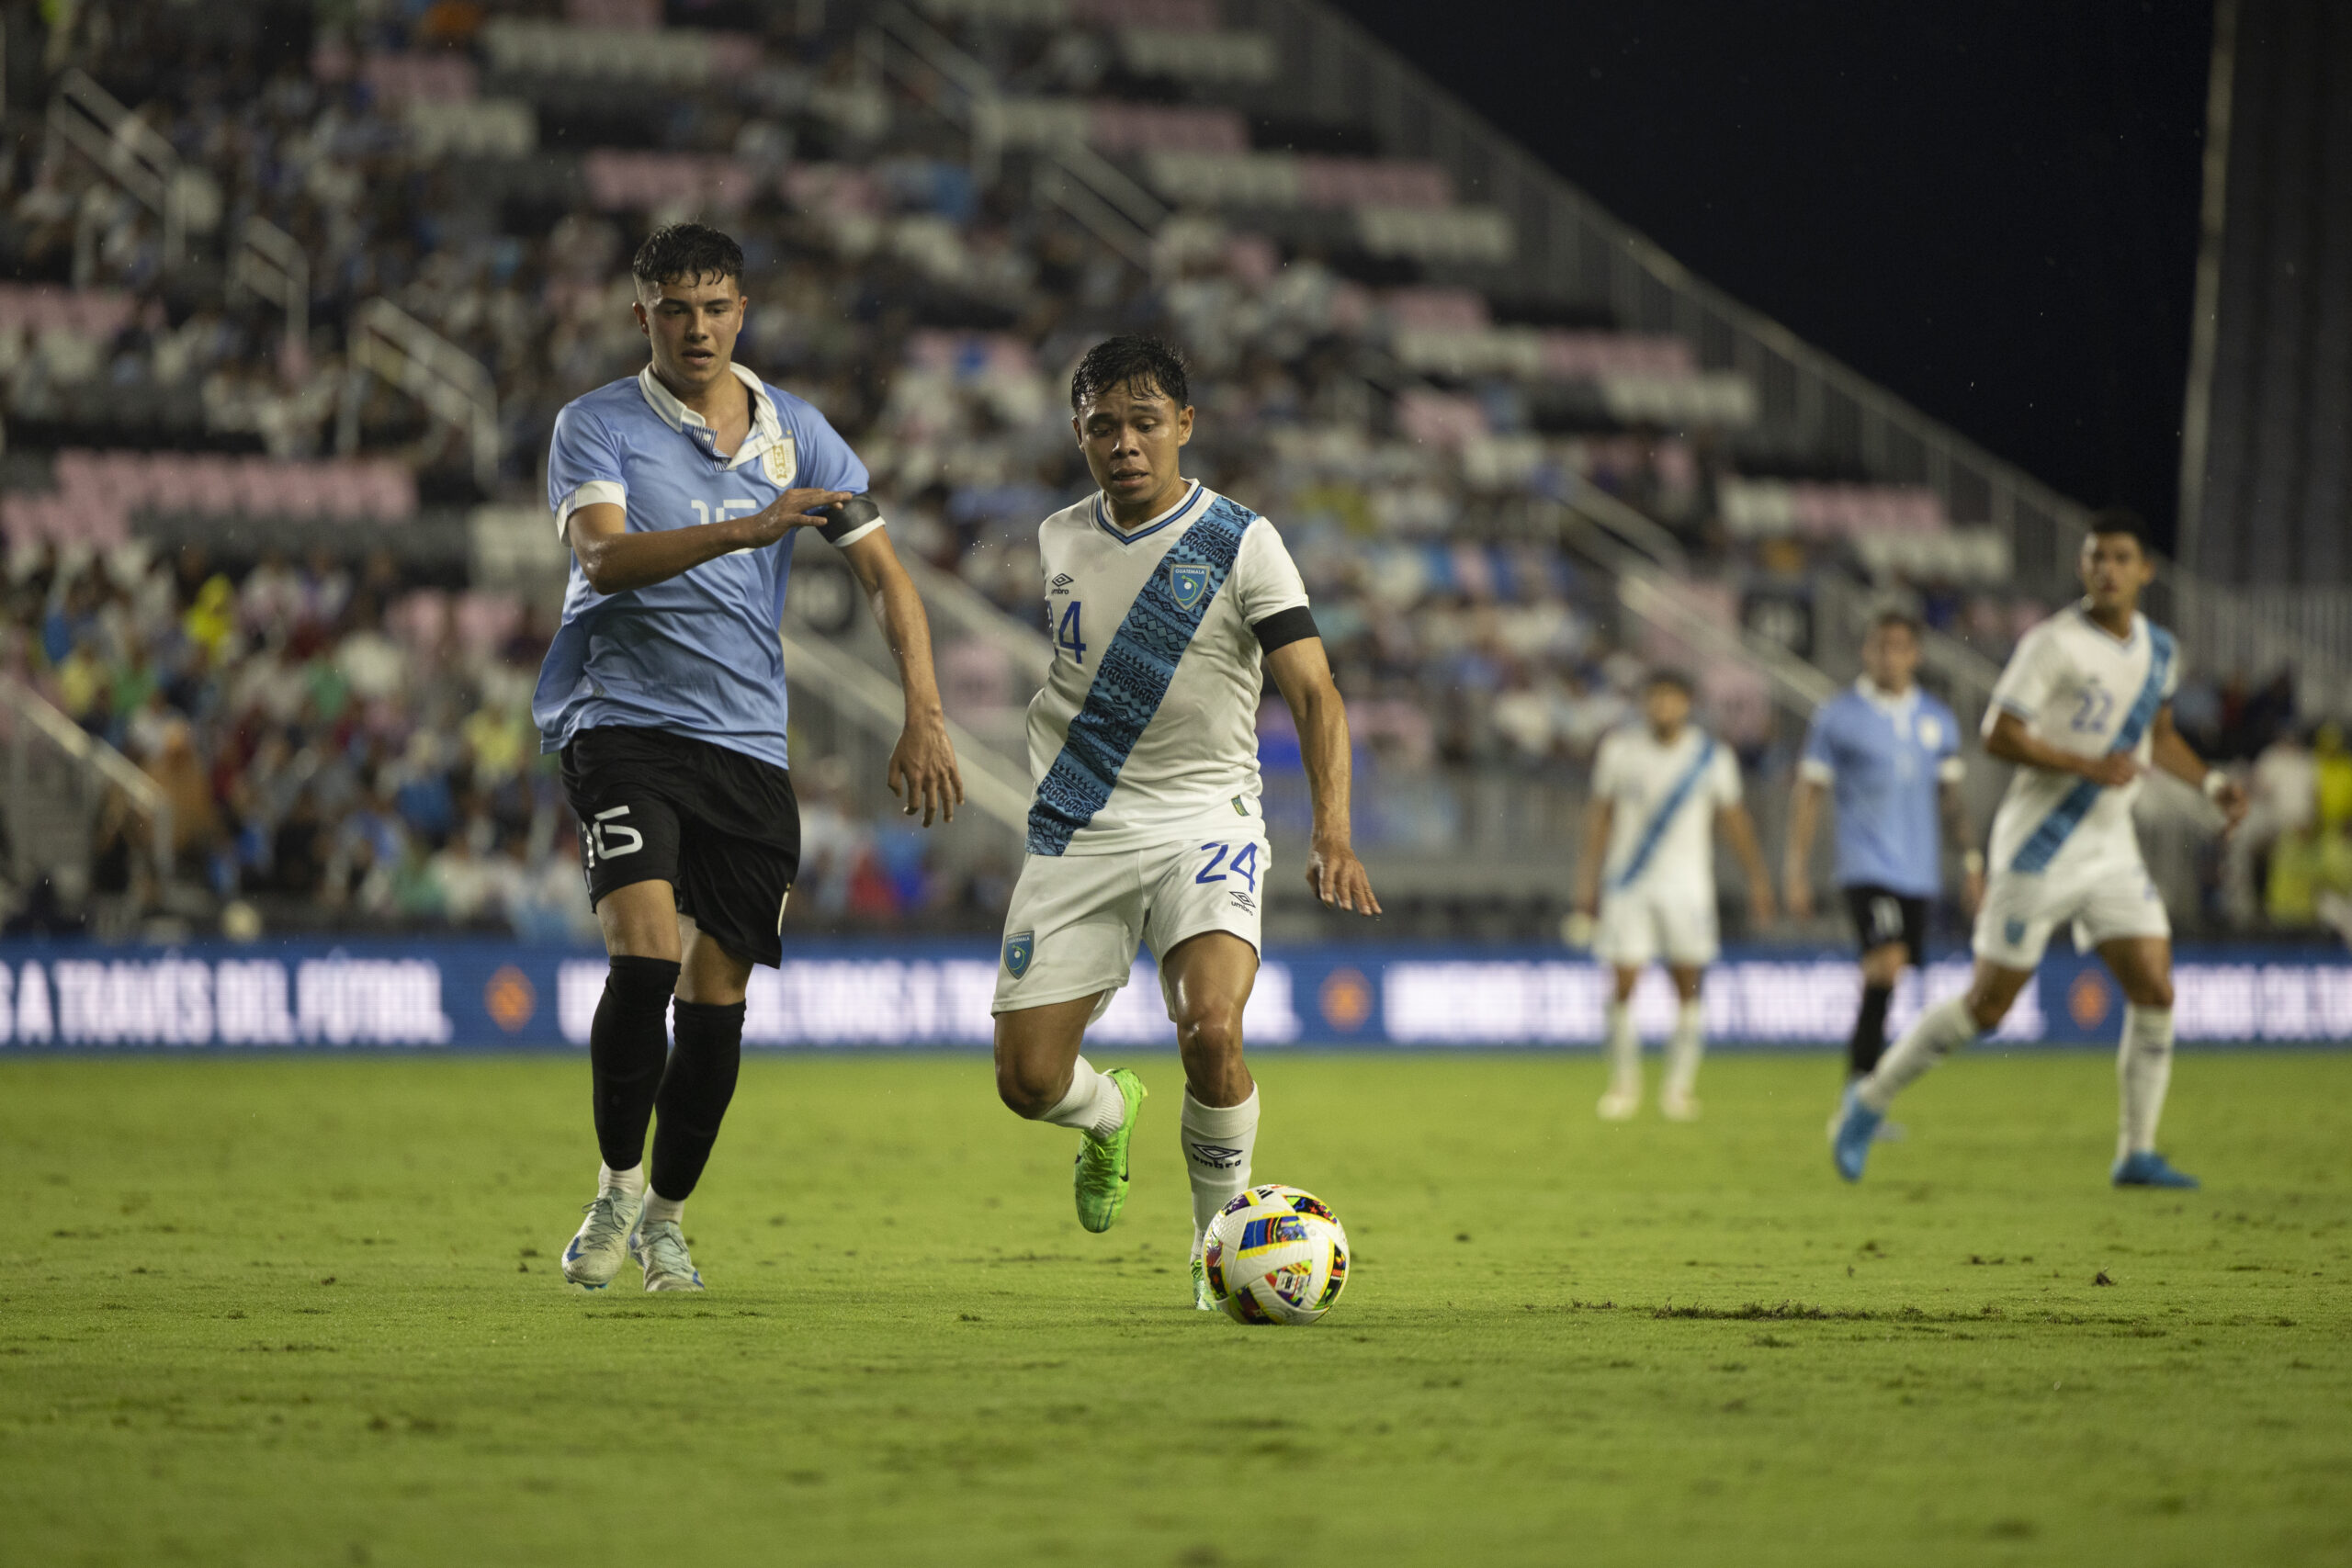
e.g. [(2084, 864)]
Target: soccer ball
[(1275, 1255)]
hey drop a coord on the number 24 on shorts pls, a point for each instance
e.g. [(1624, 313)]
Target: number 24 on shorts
[(1243, 866)]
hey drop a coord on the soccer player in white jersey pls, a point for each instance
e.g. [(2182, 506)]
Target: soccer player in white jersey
[(1660, 788), (2084, 709), (1165, 601)]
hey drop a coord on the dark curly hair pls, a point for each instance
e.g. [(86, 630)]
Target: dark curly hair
[(1141, 365), (690, 252)]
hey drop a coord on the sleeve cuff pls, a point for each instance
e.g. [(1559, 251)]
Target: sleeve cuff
[(595, 493), (1951, 770), (1813, 769)]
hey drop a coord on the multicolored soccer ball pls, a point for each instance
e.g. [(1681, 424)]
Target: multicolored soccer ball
[(1275, 1255)]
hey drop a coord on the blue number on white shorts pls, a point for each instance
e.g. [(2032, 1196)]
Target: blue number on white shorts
[(1245, 865), (1210, 873)]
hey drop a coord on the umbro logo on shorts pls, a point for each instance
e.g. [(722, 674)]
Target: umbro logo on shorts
[(1018, 948), (1215, 1156)]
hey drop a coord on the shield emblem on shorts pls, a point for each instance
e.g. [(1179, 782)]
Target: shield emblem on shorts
[(2013, 932), (1189, 583), (1017, 949)]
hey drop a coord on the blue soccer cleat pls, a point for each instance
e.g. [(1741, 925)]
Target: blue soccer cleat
[(2145, 1168), (1857, 1127)]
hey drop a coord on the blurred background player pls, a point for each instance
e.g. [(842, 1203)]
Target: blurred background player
[(678, 490), (1165, 601), (1647, 874), (2084, 709), (1888, 755)]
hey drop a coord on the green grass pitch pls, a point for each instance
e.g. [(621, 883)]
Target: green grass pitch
[(307, 1312)]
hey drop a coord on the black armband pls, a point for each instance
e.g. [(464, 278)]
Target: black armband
[(847, 517), (1285, 626)]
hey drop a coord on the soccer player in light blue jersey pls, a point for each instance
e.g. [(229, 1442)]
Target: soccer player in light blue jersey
[(2083, 710), (1887, 754), (678, 490)]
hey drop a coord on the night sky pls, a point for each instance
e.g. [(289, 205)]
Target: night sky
[(1988, 207)]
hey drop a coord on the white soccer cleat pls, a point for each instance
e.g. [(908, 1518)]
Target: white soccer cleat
[(1620, 1103), (595, 1254), (660, 1249), (1678, 1105)]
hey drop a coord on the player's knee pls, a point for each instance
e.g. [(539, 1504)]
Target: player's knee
[(1987, 1006), (2151, 991), (1027, 1087), (1210, 1034)]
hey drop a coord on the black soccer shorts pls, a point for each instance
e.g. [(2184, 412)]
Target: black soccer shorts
[(722, 829), (1881, 915)]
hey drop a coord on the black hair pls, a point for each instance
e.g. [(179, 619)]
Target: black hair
[(687, 252), (1681, 682), (1141, 365), (1893, 616), (2121, 520)]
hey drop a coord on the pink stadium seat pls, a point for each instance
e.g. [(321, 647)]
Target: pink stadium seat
[(1437, 309), (1440, 419)]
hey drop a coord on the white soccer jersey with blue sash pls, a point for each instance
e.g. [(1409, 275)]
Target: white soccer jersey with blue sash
[(1663, 801), (1148, 723), (2081, 689)]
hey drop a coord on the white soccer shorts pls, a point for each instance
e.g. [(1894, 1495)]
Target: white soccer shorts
[(2106, 898), (1641, 923), (1075, 921)]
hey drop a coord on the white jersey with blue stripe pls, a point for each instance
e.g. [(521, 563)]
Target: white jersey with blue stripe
[(2079, 688), (1663, 798), (696, 654), (1148, 722)]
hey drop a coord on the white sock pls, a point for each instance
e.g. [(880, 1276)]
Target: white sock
[(631, 1182), (1942, 1029), (1218, 1140), (1684, 1049), (2142, 1073), (658, 1208), (1625, 1051), (1093, 1105)]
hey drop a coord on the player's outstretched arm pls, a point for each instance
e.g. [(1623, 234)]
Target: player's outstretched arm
[(1739, 828), (2010, 741), (923, 765), (1796, 861), (1961, 837), (616, 560), (1302, 672), (2170, 750)]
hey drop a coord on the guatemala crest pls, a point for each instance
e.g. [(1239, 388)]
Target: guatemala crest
[(1018, 948), (2013, 932), (1189, 583), (780, 462)]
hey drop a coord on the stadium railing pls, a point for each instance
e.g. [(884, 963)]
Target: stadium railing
[(58, 779)]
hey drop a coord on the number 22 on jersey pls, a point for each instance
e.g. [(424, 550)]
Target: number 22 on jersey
[(1068, 637)]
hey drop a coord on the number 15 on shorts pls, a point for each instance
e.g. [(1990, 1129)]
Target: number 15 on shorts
[(1223, 863)]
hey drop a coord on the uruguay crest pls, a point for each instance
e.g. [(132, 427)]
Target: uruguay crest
[(1189, 583), (1017, 950), (781, 463)]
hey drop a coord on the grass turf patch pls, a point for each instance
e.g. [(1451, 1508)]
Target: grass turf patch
[(307, 1311)]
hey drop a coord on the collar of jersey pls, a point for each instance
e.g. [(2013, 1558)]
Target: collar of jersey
[(1199, 492), (2105, 635), (1870, 692), (767, 428)]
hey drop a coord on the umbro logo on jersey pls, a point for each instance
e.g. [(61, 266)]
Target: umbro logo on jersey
[(1216, 1156), (1064, 580)]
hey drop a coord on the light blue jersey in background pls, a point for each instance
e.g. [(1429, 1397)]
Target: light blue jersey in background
[(1884, 758), (697, 655)]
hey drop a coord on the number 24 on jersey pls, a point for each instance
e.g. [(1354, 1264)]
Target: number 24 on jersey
[(1068, 637)]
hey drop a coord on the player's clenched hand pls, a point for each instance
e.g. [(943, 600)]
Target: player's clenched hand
[(1971, 891), (1337, 877), (1760, 908), (789, 511), (1800, 899), (2231, 798), (924, 771), (2112, 771)]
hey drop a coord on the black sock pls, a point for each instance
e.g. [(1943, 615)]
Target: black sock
[(695, 1092), (1868, 1042), (626, 1045)]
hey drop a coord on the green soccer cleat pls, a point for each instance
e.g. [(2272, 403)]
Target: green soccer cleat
[(1202, 1299), (1102, 1172)]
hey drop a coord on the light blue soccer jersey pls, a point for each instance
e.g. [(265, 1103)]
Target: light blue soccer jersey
[(697, 655), (1884, 758)]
